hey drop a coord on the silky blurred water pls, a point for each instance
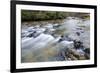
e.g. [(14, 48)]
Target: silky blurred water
[(45, 46)]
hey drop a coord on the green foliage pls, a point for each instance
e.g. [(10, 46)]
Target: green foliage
[(30, 15), (27, 15)]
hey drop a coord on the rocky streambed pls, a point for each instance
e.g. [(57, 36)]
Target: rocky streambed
[(64, 41)]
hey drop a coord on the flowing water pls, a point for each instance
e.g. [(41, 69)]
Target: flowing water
[(44, 41)]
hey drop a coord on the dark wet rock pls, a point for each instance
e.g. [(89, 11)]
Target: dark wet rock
[(82, 31), (64, 38), (31, 35), (77, 44), (79, 28), (56, 26), (60, 40), (87, 50), (78, 33)]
